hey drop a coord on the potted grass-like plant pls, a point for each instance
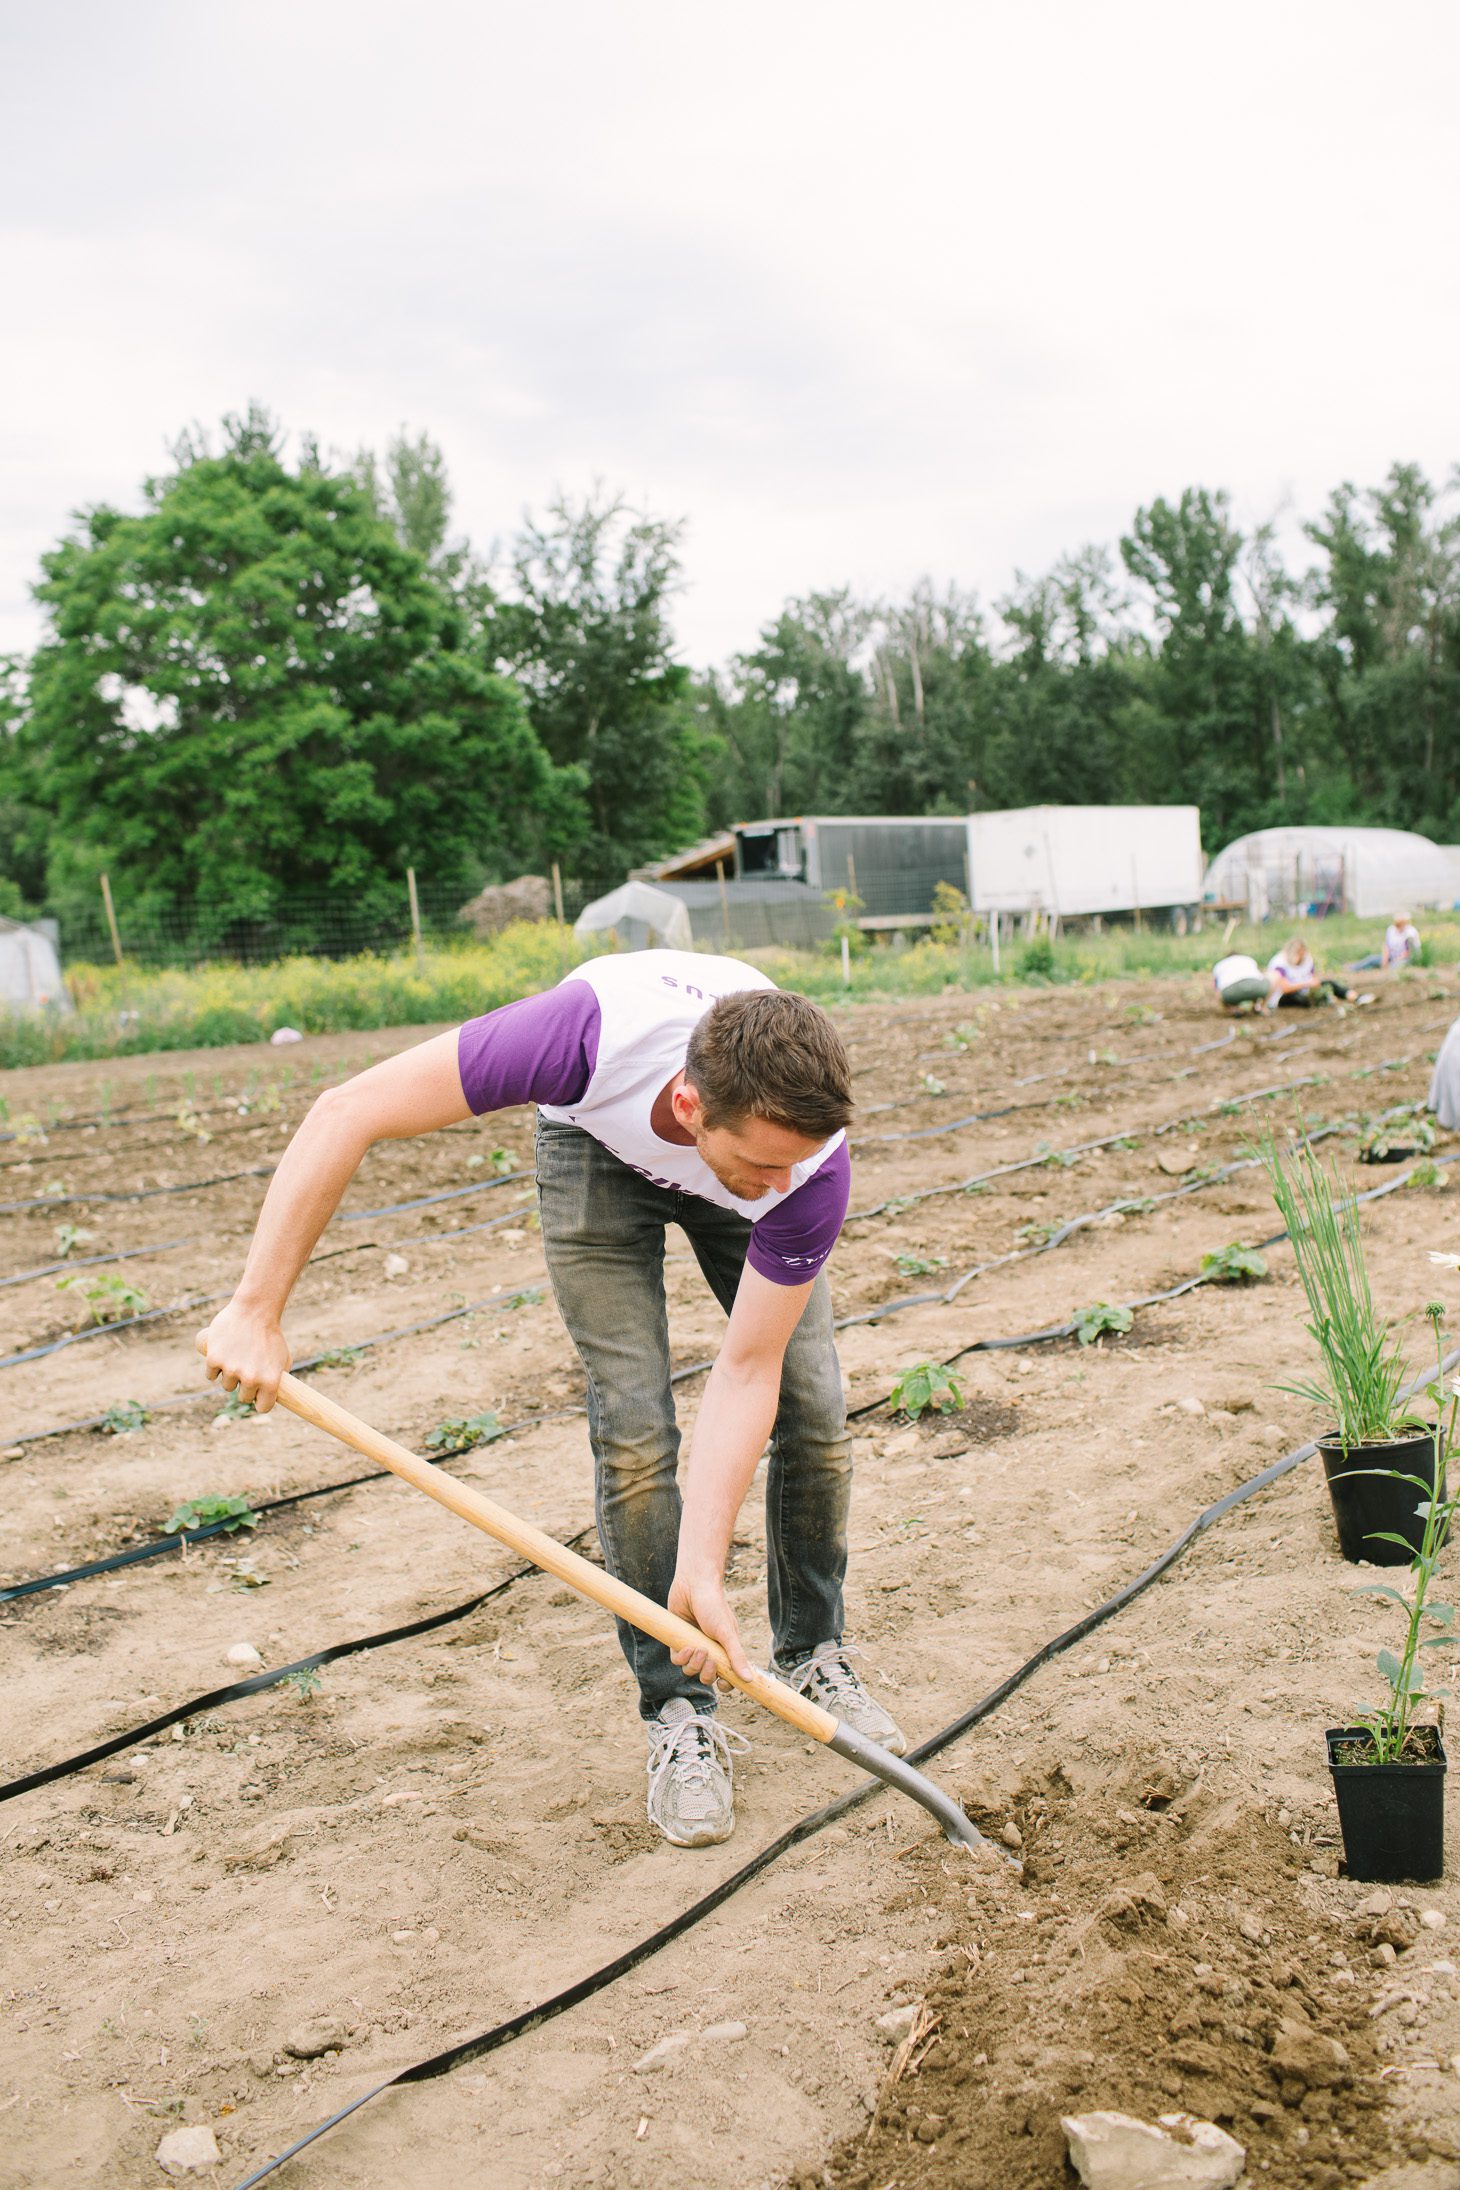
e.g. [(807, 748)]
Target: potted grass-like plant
[(1389, 1767), (1377, 1449)]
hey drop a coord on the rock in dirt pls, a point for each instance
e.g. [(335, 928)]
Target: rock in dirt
[(395, 1266), (726, 2034), (1191, 1404), (898, 2021), (1117, 2152), (1305, 2056), (1397, 1928), (186, 2151), (321, 2034), (1141, 1901), (1011, 1835), (244, 1653)]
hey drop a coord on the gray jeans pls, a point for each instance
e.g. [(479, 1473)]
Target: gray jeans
[(603, 1236)]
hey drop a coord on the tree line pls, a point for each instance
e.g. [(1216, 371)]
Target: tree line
[(281, 678)]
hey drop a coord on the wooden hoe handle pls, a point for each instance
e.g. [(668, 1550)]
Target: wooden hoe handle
[(546, 1552)]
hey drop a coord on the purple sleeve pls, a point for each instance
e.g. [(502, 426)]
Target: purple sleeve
[(541, 1050), (792, 1241)]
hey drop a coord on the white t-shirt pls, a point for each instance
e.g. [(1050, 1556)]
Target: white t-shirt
[(1401, 943), (1305, 975), (1236, 968)]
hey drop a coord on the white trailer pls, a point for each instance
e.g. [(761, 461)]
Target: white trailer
[(1066, 861)]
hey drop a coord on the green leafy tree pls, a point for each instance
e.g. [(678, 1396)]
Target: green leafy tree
[(252, 688), (784, 720), (588, 638)]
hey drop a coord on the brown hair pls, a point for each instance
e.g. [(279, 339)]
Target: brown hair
[(765, 1054)]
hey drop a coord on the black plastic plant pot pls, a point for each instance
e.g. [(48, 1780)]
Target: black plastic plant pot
[(1366, 1502), (1392, 1816)]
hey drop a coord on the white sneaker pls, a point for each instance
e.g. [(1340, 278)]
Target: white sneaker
[(828, 1678), (691, 1790)]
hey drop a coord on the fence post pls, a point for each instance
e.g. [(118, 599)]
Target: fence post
[(416, 920), (558, 892), (724, 902), (994, 920), (111, 919)]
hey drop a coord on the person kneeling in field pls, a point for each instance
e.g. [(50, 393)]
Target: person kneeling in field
[(1240, 983), (671, 1089), (1293, 978)]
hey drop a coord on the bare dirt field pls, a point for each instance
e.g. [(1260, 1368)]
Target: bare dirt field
[(250, 1917)]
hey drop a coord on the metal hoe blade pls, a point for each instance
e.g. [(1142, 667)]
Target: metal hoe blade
[(908, 1781)]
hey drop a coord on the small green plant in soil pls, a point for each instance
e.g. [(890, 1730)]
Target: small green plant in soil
[(1233, 1265), (1429, 1623), (304, 1681), (503, 1160), (123, 1418), (235, 1409), (1036, 1235), (461, 1433), (69, 1237), (108, 1296), (1057, 1159), (1361, 1366), (1389, 1140), (1426, 1174), (232, 1513), (921, 1265), (932, 1085), (926, 1387), (1091, 1324), (340, 1357)]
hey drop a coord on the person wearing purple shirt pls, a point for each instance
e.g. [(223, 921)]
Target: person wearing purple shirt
[(671, 1088)]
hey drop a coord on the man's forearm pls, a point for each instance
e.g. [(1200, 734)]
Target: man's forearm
[(303, 1195), (737, 1415)]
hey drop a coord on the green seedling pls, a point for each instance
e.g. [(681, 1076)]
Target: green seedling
[(1057, 1159), (530, 1297), (231, 1513), (931, 1085), (191, 1125), (921, 1265), (1140, 1205), (123, 1418), (69, 1237), (1233, 1265), (305, 1682), (1425, 1174), (1429, 1624), (340, 1357), (29, 1128), (56, 1190), (926, 1387), (1075, 1099), (1036, 1235), (462, 1433), (1391, 1139), (108, 1296), (1141, 1015), (235, 1409), (1091, 1324), (503, 1160)]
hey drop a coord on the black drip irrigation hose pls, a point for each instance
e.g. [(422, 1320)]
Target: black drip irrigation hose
[(1051, 1334), (815, 1821), (206, 1300), (160, 1546), (236, 1691), (89, 1262), (141, 1193), (312, 1361)]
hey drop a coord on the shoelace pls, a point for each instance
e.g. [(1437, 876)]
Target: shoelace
[(828, 1671), (697, 1745)]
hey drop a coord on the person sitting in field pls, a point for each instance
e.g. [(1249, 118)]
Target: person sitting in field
[(1401, 947), (1240, 983), (1444, 1095), (1293, 978)]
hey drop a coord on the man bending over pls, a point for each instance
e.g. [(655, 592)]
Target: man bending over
[(671, 1089)]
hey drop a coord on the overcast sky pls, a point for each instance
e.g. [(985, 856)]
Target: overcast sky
[(860, 291)]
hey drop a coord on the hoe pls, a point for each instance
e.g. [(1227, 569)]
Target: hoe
[(627, 1604)]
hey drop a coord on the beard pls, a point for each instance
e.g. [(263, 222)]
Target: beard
[(745, 1186)]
